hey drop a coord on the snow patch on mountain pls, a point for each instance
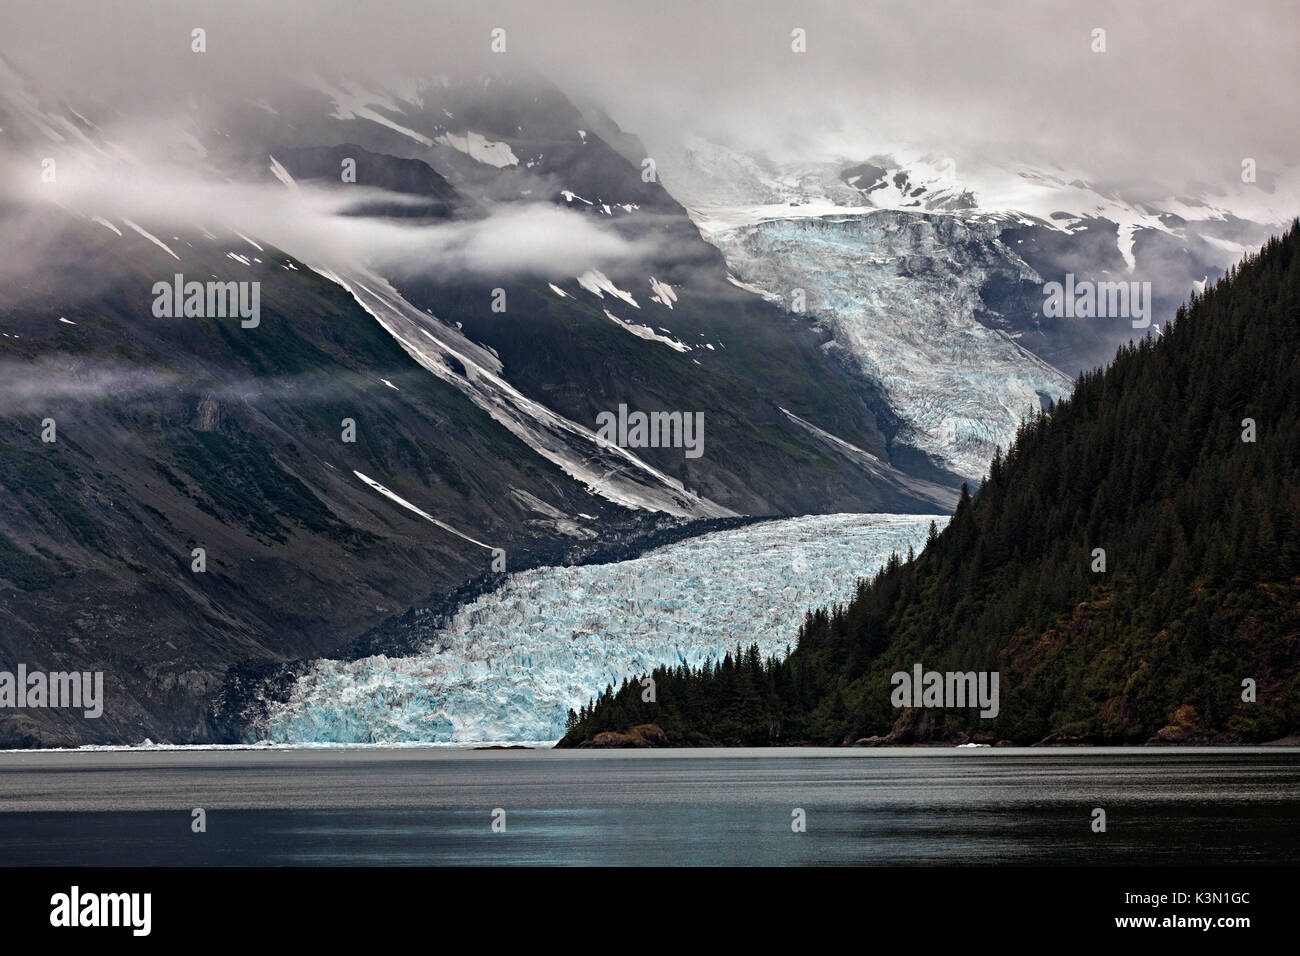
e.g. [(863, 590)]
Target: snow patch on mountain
[(597, 283), (393, 496), (353, 101), (481, 149), (608, 470), (282, 174), (647, 333), (776, 297), (152, 238), (662, 292)]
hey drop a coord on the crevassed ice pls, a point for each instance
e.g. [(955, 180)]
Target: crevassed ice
[(511, 664), (890, 289)]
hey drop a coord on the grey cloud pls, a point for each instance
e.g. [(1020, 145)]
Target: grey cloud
[(42, 386), (1185, 90), (311, 222)]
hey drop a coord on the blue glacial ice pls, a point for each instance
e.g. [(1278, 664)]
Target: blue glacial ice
[(900, 294), (510, 665)]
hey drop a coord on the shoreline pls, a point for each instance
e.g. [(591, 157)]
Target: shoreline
[(1291, 742)]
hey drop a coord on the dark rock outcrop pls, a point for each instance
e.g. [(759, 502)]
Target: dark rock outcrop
[(644, 735)]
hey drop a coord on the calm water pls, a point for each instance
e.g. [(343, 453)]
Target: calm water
[(1168, 806)]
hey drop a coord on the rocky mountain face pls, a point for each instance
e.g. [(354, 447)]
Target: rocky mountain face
[(200, 501), (192, 499)]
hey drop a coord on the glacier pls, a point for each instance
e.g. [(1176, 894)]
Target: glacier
[(899, 292), (510, 665), (894, 281), (893, 257)]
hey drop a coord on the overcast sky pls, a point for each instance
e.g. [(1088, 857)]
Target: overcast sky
[(1184, 91)]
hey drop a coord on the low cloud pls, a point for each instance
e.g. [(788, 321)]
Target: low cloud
[(42, 386), (314, 223), (35, 386), (1183, 90)]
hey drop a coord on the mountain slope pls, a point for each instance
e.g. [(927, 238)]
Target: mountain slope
[(1200, 592), (664, 329), (474, 429), (177, 433)]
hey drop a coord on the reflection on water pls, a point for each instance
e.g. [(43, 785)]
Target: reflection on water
[(1185, 806)]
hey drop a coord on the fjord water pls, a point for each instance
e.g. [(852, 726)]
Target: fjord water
[(421, 806)]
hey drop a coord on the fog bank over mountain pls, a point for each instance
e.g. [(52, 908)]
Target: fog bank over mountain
[(1021, 82)]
